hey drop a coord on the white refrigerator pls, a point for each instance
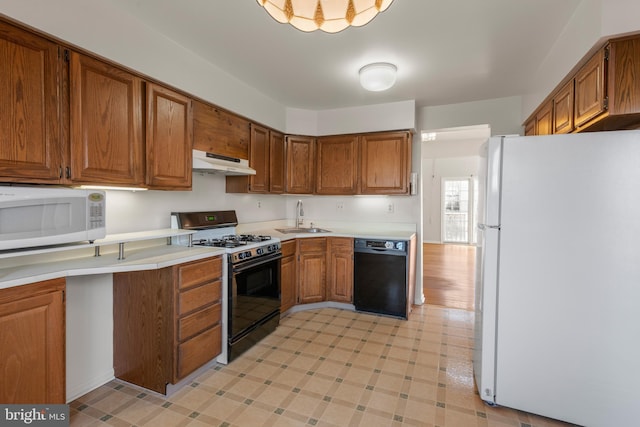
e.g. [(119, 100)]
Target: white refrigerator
[(557, 322)]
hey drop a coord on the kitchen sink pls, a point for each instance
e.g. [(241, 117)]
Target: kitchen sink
[(302, 230)]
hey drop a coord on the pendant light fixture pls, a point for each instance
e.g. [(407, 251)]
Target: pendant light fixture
[(378, 76), (330, 16)]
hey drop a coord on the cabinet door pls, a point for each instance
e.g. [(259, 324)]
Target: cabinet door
[(337, 164), (563, 109), (340, 269), (544, 119), (589, 90), (30, 146), (220, 132), (169, 139), (276, 162), (32, 344), (106, 123), (624, 69), (288, 276), (299, 168), (312, 268), (385, 161), (259, 159)]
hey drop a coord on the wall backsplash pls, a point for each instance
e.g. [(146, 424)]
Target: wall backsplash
[(149, 210)]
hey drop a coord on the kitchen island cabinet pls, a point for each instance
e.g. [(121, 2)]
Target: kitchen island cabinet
[(167, 322), (32, 343)]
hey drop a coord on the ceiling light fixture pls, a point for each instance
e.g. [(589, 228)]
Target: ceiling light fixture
[(378, 76), (330, 16)]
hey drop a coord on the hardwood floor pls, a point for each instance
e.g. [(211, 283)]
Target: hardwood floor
[(448, 275)]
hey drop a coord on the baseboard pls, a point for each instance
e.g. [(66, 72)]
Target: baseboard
[(90, 385)]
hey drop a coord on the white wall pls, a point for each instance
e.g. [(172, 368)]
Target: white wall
[(593, 22), (502, 114)]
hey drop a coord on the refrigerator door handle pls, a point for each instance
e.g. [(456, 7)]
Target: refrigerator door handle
[(488, 227)]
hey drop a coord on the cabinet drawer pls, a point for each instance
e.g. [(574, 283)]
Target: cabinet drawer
[(341, 243), (314, 244), (198, 350), (190, 325), (288, 248), (198, 272), (198, 297)]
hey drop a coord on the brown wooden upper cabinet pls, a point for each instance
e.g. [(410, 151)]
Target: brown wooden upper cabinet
[(106, 118), (276, 162), (337, 164), (169, 139), (31, 149), (385, 162), (300, 154), (266, 156), (218, 131), (563, 109), (603, 94), (590, 89)]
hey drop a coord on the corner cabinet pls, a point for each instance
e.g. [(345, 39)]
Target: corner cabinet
[(337, 165), (31, 149), (300, 162), (167, 322), (106, 122), (385, 162), (169, 139), (32, 343)]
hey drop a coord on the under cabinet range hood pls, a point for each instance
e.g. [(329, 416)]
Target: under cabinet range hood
[(214, 163)]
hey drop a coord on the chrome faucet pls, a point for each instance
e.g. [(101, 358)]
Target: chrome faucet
[(299, 214)]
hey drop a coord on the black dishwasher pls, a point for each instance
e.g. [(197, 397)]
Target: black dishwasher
[(381, 277)]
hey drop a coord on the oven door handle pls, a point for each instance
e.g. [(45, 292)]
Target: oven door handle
[(243, 267)]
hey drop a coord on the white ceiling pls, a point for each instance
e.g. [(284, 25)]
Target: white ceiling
[(446, 51)]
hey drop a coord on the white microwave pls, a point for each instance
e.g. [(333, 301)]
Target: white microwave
[(37, 216)]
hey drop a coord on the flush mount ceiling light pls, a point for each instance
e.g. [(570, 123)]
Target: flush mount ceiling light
[(378, 76), (330, 16)]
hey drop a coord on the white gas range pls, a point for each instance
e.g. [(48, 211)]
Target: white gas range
[(251, 288)]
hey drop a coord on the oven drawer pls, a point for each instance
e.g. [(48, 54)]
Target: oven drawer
[(201, 296), (197, 351), (197, 272), (190, 325)]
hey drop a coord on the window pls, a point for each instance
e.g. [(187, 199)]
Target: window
[(457, 210)]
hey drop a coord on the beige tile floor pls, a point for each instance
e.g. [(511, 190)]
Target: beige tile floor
[(326, 367)]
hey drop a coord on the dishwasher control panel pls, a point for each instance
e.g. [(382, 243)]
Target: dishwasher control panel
[(397, 245)]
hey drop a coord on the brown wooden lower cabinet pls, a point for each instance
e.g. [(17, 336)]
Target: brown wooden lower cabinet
[(167, 322), (288, 276), (32, 343), (325, 269), (340, 269)]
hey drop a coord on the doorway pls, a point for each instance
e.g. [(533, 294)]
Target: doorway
[(450, 163)]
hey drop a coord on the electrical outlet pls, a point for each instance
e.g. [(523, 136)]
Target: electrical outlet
[(390, 208), (339, 206), (259, 204)]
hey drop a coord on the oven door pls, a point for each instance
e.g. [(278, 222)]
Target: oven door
[(254, 295)]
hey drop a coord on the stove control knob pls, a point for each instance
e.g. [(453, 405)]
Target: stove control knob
[(388, 245), (260, 251)]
